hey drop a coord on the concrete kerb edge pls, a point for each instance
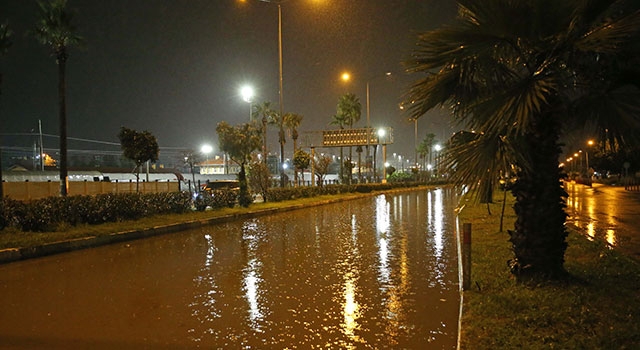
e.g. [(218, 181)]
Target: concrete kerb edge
[(15, 254)]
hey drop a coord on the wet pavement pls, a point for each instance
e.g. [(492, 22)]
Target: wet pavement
[(607, 213), (378, 272)]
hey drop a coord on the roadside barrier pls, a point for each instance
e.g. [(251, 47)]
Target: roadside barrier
[(29, 190)]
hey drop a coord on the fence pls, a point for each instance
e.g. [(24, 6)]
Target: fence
[(30, 190)]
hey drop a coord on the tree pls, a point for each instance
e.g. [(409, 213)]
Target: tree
[(291, 123), (239, 142), (259, 178), (191, 158), (54, 29), (425, 148), (278, 121), (266, 114), (5, 43), (519, 73), (140, 147), (349, 111), (301, 161), (340, 121), (321, 168)]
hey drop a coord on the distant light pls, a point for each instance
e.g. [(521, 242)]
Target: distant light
[(247, 93), (382, 132), (438, 147), (345, 76), (206, 149)]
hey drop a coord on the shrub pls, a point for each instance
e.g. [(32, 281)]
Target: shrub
[(48, 213)]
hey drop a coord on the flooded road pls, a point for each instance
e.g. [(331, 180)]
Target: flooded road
[(378, 272), (606, 213)]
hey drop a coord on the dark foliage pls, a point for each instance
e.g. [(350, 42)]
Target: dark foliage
[(48, 213)]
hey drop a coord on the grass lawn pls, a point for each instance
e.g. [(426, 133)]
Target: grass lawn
[(599, 308)]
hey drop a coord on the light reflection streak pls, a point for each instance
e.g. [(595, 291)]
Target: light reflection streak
[(383, 267), (383, 225), (583, 207), (204, 307), (382, 214), (252, 280), (611, 237), (354, 228), (591, 231), (438, 225), (350, 307)]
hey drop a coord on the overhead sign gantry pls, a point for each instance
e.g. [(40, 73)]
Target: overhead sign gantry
[(348, 138)]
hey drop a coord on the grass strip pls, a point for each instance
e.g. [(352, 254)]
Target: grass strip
[(598, 308)]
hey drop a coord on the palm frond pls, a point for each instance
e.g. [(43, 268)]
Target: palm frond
[(478, 159)]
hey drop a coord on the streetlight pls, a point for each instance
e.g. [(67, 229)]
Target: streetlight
[(387, 74), (247, 94), (589, 144), (206, 149)]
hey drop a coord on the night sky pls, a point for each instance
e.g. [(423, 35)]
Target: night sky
[(175, 67)]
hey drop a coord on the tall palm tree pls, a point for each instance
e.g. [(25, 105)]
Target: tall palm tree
[(519, 73), (5, 43), (54, 29), (291, 122), (349, 110), (339, 120), (278, 121), (265, 114), (425, 148)]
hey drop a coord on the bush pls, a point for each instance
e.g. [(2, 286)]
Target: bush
[(48, 213), (216, 199)]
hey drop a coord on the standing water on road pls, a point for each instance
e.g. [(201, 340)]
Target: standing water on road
[(377, 272)]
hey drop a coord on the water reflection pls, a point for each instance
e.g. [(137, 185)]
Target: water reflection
[(350, 308), (203, 308), (378, 272), (252, 280), (595, 212)]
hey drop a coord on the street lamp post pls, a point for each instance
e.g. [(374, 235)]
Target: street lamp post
[(589, 144), (280, 89), (382, 133), (368, 102), (415, 143)]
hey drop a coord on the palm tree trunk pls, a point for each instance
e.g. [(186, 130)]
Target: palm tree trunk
[(539, 234), (1, 189), (62, 59), (295, 149), (282, 141), (264, 140), (244, 198)]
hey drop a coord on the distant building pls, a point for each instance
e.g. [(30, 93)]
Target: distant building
[(218, 166)]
